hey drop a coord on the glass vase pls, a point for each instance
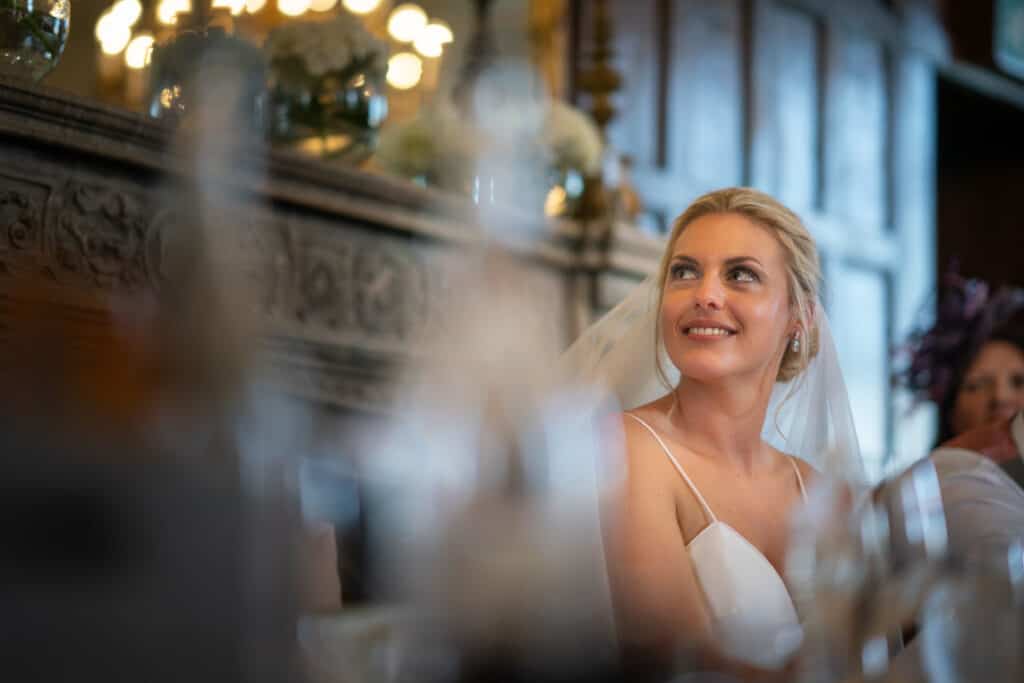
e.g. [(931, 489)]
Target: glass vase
[(334, 115), (32, 36), (193, 61)]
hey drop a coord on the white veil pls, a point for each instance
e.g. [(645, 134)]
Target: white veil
[(808, 417)]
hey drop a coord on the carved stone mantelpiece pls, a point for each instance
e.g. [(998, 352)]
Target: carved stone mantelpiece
[(345, 268)]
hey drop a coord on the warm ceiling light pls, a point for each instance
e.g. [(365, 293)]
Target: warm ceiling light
[(112, 33), (427, 46), (432, 38), (404, 70), (439, 32), (117, 39), (254, 6), (292, 8), (361, 6), (322, 5), (234, 6), (406, 22), (168, 10), (127, 11), (136, 55), (102, 25)]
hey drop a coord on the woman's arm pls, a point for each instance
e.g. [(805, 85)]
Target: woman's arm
[(658, 602)]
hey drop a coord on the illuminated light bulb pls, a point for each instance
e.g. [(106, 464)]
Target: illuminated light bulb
[(404, 70), (322, 5), (432, 38), (427, 46), (103, 25), (361, 6), (439, 32), (112, 34), (406, 22), (127, 11), (292, 8), (254, 6), (234, 6), (136, 55), (168, 10)]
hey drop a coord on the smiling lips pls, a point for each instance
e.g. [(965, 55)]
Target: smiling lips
[(707, 330)]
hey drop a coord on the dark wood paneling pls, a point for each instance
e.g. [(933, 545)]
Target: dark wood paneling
[(784, 125), (855, 133), (705, 98), (981, 174)]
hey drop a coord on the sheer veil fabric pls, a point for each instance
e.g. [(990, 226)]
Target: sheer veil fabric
[(808, 417)]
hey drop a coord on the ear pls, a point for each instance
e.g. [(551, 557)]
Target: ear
[(796, 327)]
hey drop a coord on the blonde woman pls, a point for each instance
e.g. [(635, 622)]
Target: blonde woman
[(731, 389)]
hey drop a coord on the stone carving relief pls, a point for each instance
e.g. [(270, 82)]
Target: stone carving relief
[(22, 207), (373, 290), (390, 290), (367, 284), (107, 237)]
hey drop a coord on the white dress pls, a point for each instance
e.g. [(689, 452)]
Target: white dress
[(752, 614)]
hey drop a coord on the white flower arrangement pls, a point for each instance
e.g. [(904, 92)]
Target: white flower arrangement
[(436, 146), (325, 46), (440, 146), (571, 139)]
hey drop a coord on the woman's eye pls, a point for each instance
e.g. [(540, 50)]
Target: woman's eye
[(978, 384), (682, 272), (743, 275), (1017, 382)]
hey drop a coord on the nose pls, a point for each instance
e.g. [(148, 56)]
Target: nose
[(710, 294)]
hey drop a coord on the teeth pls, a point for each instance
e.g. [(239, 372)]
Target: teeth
[(718, 331)]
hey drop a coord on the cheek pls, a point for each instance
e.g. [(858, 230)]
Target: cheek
[(672, 308), (766, 317), (970, 404)]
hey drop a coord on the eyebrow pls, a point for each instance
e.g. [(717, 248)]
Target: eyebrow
[(734, 261)]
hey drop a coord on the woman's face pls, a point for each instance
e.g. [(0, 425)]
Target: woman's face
[(993, 387), (725, 309)]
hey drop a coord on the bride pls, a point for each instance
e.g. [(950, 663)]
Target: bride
[(729, 377)]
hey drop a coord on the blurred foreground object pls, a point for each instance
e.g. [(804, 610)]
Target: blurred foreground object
[(1001, 442), (32, 36), (149, 523), (931, 559), (486, 507)]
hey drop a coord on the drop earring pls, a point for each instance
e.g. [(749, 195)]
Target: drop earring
[(795, 346)]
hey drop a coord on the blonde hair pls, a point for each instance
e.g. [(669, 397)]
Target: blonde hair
[(803, 267)]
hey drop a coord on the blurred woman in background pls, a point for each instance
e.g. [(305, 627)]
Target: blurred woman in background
[(970, 362)]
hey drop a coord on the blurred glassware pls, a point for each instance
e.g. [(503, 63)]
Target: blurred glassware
[(191, 60), (626, 203), (327, 93), (573, 151), (33, 34), (861, 567), (972, 624), (486, 511)]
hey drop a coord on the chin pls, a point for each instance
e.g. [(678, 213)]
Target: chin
[(703, 370)]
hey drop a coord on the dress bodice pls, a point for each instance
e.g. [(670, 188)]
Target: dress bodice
[(752, 614)]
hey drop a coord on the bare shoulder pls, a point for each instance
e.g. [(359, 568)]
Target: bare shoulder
[(641, 428), (807, 471)]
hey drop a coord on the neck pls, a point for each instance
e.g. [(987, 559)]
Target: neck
[(724, 419)]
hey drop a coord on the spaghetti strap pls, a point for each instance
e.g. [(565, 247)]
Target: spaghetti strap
[(679, 468), (799, 477)]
